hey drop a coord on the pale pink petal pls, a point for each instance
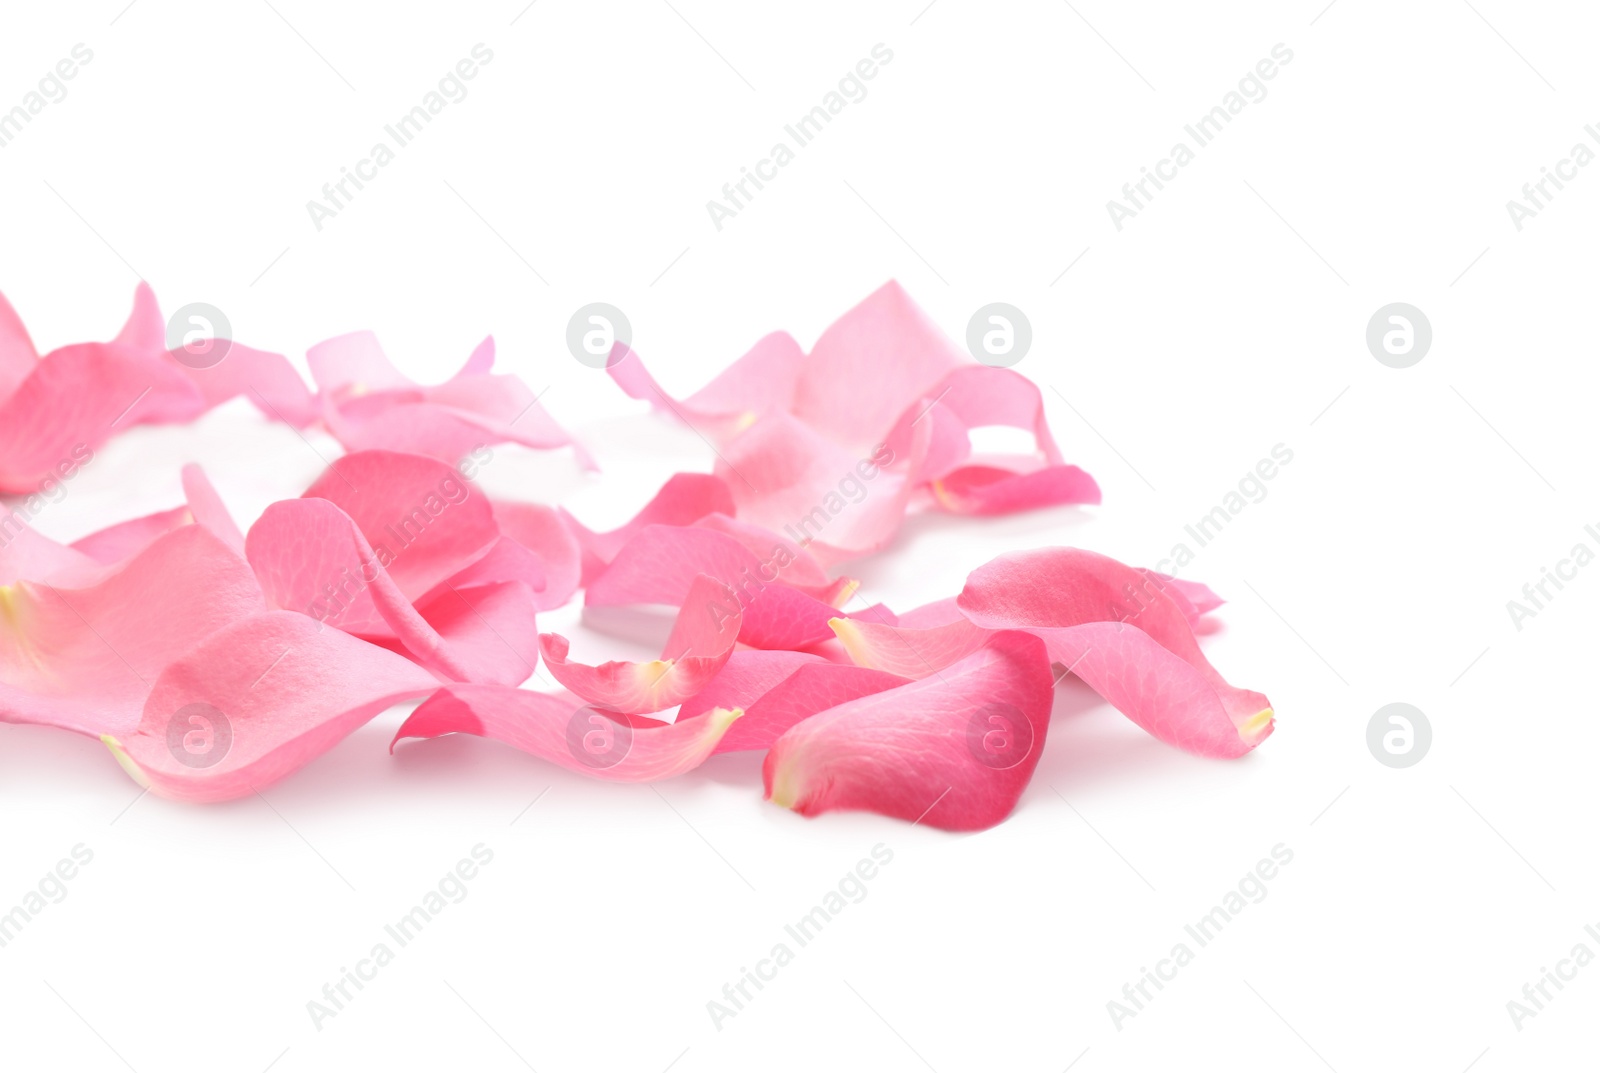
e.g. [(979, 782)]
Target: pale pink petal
[(84, 658), (683, 499), (696, 650), (580, 739), (370, 405), (953, 751), (870, 365), (26, 554), (268, 380), (834, 502), (761, 381), (123, 540), (207, 509), (256, 701), (1142, 656), (547, 533), (354, 364)]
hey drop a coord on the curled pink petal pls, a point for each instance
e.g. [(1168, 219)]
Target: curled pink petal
[(760, 382), (267, 380), (1118, 629), (84, 658), (698, 647), (953, 751), (368, 404), (888, 352), (255, 701), (581, 739)]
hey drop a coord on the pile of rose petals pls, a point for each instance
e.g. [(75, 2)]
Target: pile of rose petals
[(213, 662)]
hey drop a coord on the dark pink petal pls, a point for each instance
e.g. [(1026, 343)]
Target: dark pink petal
[(953, 751), (760, 382), (698, 647), (256, 701), (84, 658), (311, 558), (580, 739), (1141, 654), (683, 499), (423, 518), (989, 490), (809, 689)]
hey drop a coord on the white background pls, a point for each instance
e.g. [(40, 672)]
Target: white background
[(1226, 318)]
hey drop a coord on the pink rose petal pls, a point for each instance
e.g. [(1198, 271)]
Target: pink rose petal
[(581, 739), (1118, 630), (256, 701), (697, 649), (953, 751), (311, 558), (84, 658)]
